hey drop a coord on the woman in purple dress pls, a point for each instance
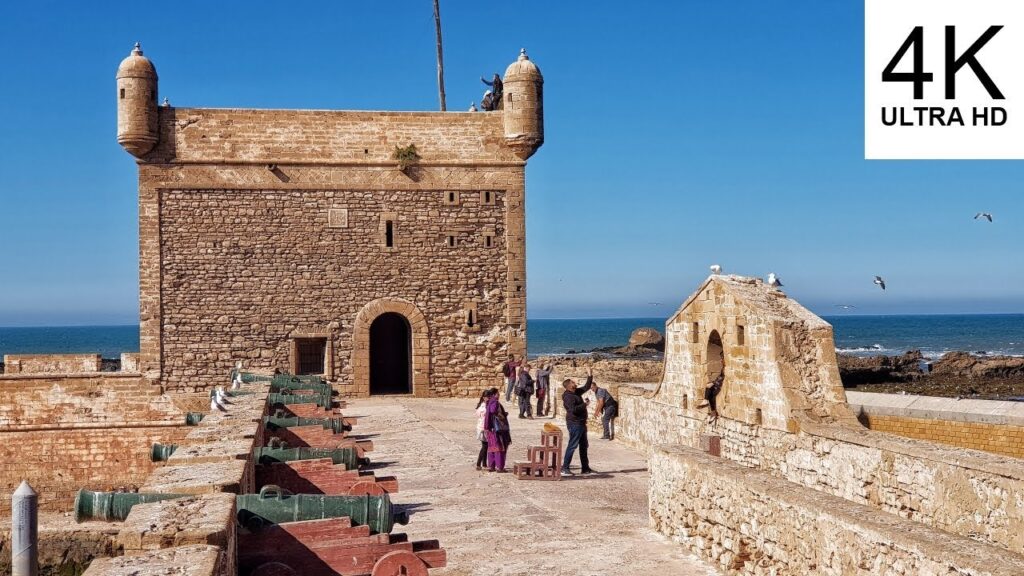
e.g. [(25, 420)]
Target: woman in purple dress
[(498, 435)]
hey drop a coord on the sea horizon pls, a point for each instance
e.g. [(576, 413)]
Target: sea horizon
[(855, 334)]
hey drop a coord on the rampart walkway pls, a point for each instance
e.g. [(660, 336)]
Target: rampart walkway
[(492, 523)]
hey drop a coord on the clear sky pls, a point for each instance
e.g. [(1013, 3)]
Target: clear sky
[(679, 134)]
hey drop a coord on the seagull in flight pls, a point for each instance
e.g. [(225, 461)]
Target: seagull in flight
[(880, 282), (654, 303), (984, 215), (716, 269), (774, 281), (845, 306)]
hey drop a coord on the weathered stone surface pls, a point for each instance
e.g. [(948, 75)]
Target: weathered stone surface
[(183, 561), (206, 519), (750, 522), (51, 363)]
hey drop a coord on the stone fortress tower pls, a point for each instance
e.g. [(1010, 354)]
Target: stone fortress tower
[(292, 239)]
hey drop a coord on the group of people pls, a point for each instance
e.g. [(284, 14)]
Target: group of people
[(494, 432)]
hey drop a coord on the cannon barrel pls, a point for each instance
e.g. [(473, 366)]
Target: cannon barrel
[(111, 506), (335, 425), (232, 393), (161, 452), (276, 506), (322, 400), (193, 418), (347, 456)]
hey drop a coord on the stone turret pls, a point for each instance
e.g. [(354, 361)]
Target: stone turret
[(524, 106), (137, 129)]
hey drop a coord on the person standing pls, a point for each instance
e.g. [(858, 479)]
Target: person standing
[(524, 390), (543, 389), (608, 408), (481, 435), (499, 437), (508, 369), (576, 422)]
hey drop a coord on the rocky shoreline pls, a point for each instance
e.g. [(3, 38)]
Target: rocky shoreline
[(955, 374)]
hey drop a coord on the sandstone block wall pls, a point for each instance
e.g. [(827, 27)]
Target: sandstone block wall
[(930, 483), (753, 523), (988, 425), (51, 363), (258, 227), (62, 433)]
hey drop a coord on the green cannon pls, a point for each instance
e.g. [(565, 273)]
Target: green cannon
[(276, 506), (347, 456), (336, 425), (233, 393), (193, 418), (161, 452), (322, 400), (112, 506)]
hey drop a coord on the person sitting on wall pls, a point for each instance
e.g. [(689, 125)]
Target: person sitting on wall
[(497, 91), (487, 102), (711, 395)]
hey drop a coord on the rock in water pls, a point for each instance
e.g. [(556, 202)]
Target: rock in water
[(647, 338)]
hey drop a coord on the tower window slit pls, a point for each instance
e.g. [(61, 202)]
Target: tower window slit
[(122, 93), (389, 234)]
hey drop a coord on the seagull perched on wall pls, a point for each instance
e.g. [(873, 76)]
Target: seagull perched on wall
[(880, 282), (214, 403), (774, 281), (716, 269), (984, 215)]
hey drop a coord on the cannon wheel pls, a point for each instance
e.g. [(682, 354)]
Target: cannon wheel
[(273, 569), (366, 489), (399, 563)]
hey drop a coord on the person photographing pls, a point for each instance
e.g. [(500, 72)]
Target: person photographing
[(576, 422)]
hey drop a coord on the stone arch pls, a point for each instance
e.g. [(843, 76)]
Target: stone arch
[(361, 344), (714, 356)]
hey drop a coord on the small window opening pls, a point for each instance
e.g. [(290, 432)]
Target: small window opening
[(122, 93), (451, 241), (487, 196), (686, 401), (758, 417), (311, 354), (470, 320), (451, 197), (389, 234), (740, 335), (694, 332), (488, 241)]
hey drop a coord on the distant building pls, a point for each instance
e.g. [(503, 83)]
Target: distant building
[(292, 239)]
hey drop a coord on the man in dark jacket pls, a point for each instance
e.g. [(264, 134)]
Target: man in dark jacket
[(576, 422)]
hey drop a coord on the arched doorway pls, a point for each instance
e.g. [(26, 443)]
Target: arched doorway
[(715, 358), (390, 354)]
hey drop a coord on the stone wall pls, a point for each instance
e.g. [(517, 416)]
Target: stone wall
[(258, 227), (936, 485), (988, 425), (754, 523), (51, 363), (62, 433)]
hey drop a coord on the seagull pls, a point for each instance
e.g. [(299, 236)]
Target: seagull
[(214, 403), (472, 106), (774, 281), (984, 215), (880, 282), (845, 306), (236, 383), (654, 303), (716, 269)]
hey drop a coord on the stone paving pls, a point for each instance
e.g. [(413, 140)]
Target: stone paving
[(494, 524)]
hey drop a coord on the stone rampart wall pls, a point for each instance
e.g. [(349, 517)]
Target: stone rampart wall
[(988, 425), (51, 363), (754, 523), (960, 491)]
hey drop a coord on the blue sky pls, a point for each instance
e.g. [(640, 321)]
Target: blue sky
[(679, 134)]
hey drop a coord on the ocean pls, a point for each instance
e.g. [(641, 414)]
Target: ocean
[(934, 335)]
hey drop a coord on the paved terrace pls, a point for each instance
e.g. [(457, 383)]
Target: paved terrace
[(494, 524)]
